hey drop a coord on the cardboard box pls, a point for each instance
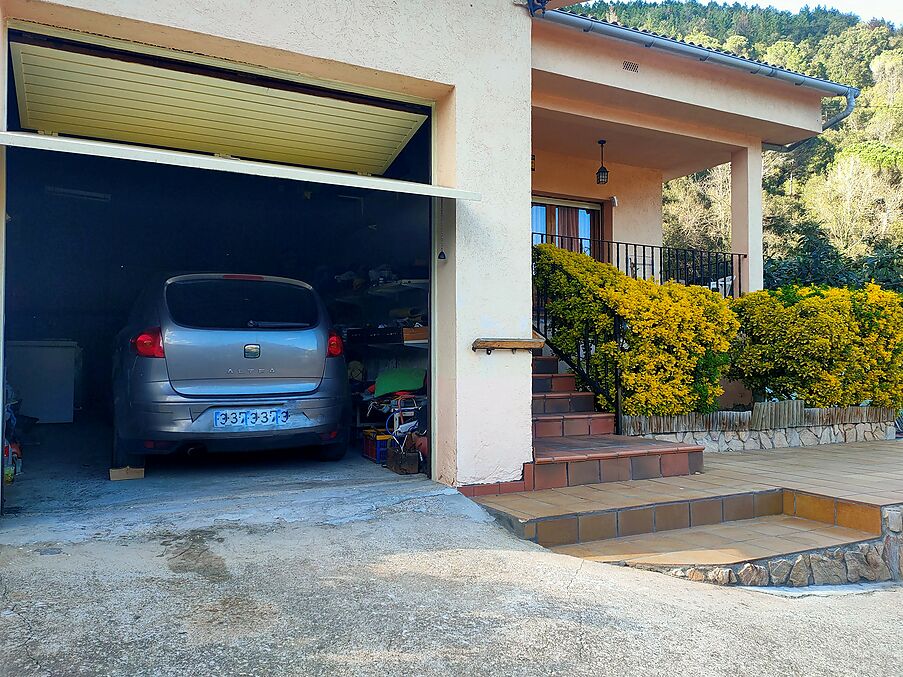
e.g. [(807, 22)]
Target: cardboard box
[(416, 333)]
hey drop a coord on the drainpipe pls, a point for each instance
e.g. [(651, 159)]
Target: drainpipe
[(851, 95)]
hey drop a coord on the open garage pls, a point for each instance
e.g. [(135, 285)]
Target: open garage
[(202, 259)]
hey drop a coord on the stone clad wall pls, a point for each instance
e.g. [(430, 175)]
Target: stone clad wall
[(892, 523), (770, 425), (866, 562), (747, 440)]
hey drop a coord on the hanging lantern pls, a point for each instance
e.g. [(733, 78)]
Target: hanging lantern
[(602, 173)]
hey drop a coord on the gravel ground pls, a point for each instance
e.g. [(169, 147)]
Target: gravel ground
[(364, 573)]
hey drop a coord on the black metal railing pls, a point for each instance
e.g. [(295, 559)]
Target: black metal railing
[(585, 349), (718, 271)]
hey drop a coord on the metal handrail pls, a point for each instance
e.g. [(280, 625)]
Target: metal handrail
[(715, 270)]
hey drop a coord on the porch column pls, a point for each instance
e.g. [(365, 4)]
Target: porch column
[(746, 214)]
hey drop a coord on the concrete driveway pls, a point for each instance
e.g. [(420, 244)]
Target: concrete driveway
[(280, 568)]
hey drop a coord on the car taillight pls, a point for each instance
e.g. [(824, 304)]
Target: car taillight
[(149, 343), (334, 347)]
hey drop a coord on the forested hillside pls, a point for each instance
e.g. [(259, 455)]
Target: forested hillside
[(834, 207)]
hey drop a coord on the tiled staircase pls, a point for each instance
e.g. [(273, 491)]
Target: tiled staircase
[(575, 445), (559, 410)]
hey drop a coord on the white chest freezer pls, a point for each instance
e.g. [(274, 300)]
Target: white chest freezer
[(43, 374)]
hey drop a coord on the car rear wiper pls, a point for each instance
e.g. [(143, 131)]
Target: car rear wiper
[(260, 324)]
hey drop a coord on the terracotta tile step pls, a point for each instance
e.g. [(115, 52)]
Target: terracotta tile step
[(572, 425), (545, 365), (545, 457), (554, 383), (563, 403), (602, 511), (735, 543), (550, 519), (599, 467), (830, 510), (552, 449)]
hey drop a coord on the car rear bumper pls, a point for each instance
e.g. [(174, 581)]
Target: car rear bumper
[(178, 421)]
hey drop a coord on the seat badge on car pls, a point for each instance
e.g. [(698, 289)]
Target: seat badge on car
[(252, 351)]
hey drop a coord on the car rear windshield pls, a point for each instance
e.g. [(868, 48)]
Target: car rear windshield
[(241, 304)]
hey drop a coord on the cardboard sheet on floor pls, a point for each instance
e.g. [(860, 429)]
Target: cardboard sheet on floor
[(126, 473)]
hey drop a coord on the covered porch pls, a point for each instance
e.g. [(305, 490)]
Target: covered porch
[(663, 115), (620, 222)]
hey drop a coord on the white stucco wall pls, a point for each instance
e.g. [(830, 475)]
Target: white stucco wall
[(473, 59)]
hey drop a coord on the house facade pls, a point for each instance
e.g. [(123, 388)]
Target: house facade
[(518, 103)]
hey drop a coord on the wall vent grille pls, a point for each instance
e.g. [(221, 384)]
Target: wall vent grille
[(631, 66)]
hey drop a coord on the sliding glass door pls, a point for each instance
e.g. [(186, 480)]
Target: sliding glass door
[(575, 226)]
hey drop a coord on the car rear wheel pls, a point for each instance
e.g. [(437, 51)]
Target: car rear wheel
[(332, 452)]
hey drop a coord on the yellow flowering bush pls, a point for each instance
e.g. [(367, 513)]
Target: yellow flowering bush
[(828, 346), (677, 337)]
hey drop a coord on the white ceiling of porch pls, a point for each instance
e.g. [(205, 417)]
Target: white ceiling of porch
[(577, 136)]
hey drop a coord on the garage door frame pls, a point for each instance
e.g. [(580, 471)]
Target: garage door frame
[(175, 158), (208, 162)]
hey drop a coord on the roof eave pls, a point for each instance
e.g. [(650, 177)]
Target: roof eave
[(651, 40)]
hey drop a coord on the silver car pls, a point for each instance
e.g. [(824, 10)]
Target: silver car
[(228, 362)]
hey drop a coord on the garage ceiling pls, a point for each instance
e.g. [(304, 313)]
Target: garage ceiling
[(76, 90)]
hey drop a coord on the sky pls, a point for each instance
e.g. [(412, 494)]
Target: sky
[(892, 10)]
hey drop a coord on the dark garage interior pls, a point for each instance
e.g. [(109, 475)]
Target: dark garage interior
[(85, 234)]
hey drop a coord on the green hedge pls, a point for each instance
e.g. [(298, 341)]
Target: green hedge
[(829, 346), (678, 337)]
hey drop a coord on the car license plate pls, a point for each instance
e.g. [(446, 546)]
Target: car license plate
[(249, 418)]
